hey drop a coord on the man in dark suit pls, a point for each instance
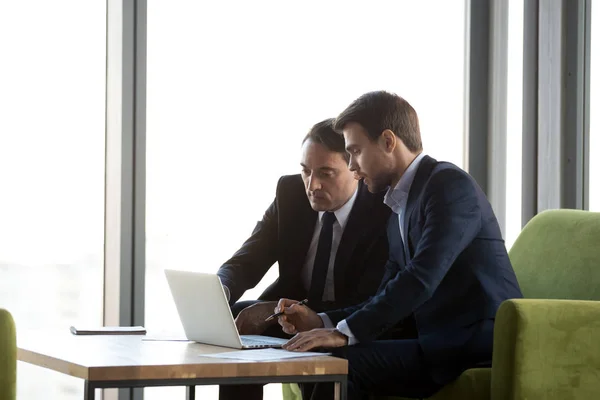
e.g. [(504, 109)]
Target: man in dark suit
[(448, 268), (326, 231)]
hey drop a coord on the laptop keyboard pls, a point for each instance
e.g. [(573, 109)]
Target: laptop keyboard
[(255, 341)]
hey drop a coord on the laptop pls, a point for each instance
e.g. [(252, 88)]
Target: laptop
[(205, 313)]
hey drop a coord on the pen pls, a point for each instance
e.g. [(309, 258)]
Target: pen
[(300, 303)]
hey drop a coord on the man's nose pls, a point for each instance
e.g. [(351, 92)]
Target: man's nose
[(352, 165), (313, 183)]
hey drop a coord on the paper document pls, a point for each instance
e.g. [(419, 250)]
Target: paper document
[(165, 338), (264, 354)]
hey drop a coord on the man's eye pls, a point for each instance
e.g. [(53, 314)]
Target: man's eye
[(305, 172)]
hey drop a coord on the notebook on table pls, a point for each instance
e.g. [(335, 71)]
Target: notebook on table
[(109, 330)]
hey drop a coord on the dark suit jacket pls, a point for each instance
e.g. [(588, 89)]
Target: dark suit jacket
[(453, 271), (284, 236)]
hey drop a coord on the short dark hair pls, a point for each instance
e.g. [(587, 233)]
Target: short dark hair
[(324, 134), (381, 110)]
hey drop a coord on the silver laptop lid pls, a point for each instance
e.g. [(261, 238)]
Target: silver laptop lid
[(203, 308)]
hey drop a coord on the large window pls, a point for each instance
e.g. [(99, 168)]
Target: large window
[(514, 122), (52, 94), (233, 87), (594, 150)]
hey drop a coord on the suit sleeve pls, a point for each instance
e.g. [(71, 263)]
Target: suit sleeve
[(251, 262), (346, 310), (367, 283), (452, 219)]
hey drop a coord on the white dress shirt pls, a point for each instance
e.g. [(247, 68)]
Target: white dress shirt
[(341, 218), (395, 199)]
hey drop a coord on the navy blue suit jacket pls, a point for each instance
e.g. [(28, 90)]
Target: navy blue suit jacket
[(452, 273)]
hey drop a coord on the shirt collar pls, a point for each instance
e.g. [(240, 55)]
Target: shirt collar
[(342, 213), (398, 195)]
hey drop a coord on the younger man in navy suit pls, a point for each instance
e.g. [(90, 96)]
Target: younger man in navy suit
[(448, 268)]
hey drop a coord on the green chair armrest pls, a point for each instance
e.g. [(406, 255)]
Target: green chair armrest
[(8, 357), (291, 391), (546, 349)]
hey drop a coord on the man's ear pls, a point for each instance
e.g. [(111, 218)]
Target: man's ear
[(389, 140)]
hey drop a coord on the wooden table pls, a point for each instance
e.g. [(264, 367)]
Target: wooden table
[(127, 361)]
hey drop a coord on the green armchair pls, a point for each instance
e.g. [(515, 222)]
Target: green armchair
[(8, 357), (546, 346)]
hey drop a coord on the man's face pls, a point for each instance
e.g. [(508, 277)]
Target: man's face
[(327, 180), (368, 159)]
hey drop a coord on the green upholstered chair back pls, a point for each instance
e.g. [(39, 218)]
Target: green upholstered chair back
[(557, 256), (8, 357)]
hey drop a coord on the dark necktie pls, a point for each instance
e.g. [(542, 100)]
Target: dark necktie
[(321, 265)]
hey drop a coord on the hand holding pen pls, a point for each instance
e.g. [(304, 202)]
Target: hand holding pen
[(297, 319), (273, 316)]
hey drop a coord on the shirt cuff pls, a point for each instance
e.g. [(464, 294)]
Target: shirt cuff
[(326, 320), (343, 327)]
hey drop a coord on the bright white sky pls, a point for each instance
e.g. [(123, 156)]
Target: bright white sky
[(52, 78), (233, 90)]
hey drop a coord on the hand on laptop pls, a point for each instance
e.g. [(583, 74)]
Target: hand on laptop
[(297, 318), (251, 320), (315, 339)]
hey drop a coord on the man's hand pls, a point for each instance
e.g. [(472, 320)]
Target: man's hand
[(305, 341), (251, 320), (297, 318)]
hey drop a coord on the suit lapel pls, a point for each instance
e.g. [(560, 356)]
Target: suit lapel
[(423, 172), (306, 218), (354, 230)]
